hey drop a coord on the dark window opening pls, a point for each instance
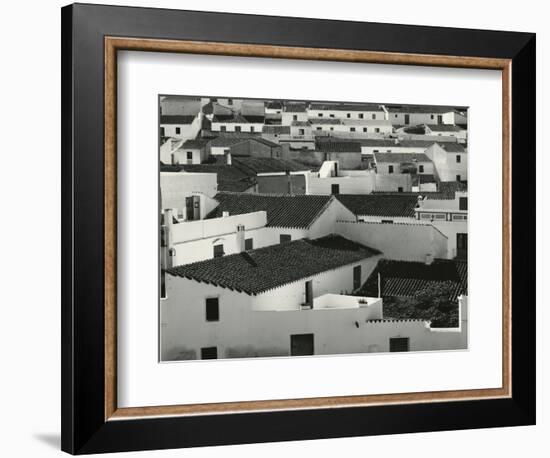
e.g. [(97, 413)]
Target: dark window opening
[(352, 129), (309, 293), (390, 168), (421, 168), (223, 128), (212, 309), (463, 203), (218, 251), (237, 128), (301, 345), (399, 344), (356, 277), (335, 189), (400, 189), (249, 244), (284, 238), (373, 116), (458, 178), (209, 353), (189, 155), (361, 115), (458, 159), (178, 130)]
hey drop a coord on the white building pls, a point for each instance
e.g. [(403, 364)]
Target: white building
[(450, 216), (361, 128), (447, 130), (331, 179), (413, 115), (349, 111), (293, 111), (180, 127), (381, 145), (190, 152), (237, 123), (286, 300), (403, 163), (450, 161)]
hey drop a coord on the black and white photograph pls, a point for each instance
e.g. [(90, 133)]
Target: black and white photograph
[(306, 227)]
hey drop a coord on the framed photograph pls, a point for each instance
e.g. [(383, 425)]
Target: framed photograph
[(284, 228)]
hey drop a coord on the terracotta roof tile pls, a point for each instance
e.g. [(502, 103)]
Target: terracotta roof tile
[(256, 271)]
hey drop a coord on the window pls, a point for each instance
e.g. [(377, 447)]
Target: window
[(319, 128), (387, 221), (356, 277), (237, 128), (301, 131), (251, 128), (390, 168), (223, 128), (332, 128), (364, 129), (320, 115), (178, 130), (284, 238), (162, 132), (399, 189), (431, 116), (463, 203), (373, 116), (361, 115), (230, 101), (295, 117), (458, 158), (249, 244), (218, 251), (377, 130), (212, 309), (399, 344), (209, 353), (352, 129), (301, 345), (189, 154), (421, 168), (375, 151), (458, 178), (348, 115), (332, 115), (309, 293), (335, 189)]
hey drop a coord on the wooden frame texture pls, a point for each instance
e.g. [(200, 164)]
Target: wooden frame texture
[(94, 423)]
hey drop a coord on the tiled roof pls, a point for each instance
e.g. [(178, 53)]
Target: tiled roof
[(238, 119), (374, 142), (443, 127), (298, 211), (419, 109), (275, 129), (274, 105), (300, 123), (295, 107), (176, 119), (346, 107), (401, 157), (366, 122), (331, 121), (449, 188), (416, 143), (452, 147), (406, 278), (268, 164), (423, 178), (333, 145), (256, 271), (391, 205), (195, 144)]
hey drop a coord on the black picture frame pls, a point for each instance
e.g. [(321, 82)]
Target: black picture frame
[(84, 428)]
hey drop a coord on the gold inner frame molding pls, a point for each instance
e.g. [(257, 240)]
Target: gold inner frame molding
[(114, 44)]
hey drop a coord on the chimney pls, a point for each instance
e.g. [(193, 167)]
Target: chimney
[(225, 214), (228, 159), (239, 238), (429, 259), (289, 181)]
